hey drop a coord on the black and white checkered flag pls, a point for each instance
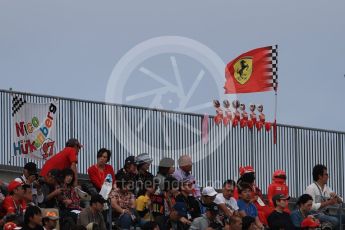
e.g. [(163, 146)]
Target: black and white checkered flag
[(275, 67), (17, 103)]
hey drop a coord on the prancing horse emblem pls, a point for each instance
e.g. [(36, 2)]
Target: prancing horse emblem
[(243, 69)]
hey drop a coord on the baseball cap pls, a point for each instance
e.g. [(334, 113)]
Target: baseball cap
[(31, 167), (130, 160), (11, 226), (180, 208), (13, 185), (97, 198), (279, 197), (213, 208), (144, 158), (72, 142), (246, 169), (310, 223), (209, 191), (51, 215)]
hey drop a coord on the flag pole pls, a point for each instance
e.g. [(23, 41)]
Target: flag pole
[(275, 118)]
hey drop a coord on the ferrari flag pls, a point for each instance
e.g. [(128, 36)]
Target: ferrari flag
[(253, 71)]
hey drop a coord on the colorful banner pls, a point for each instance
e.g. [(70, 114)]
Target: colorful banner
[(34, 128)]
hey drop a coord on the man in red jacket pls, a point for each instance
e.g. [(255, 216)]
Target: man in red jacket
[(67, 158)]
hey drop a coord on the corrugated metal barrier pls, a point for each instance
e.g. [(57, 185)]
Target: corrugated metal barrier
[(128, 130)]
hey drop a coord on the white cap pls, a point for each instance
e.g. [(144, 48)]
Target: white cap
[(209, 191)]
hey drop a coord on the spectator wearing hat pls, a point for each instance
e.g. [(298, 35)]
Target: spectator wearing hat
[(30, 177), (67, 158), (186, 196), (304, 205), (50, 219), (208, 195), (143, 177), (178, 217), (165, 169), (93, 213), (128, 172), (208, 219), (185, 172), (245, 205), (51, 190), (310, 223), (98, 172), (279, 219), (33, 218), (14, 203), (225, 200)]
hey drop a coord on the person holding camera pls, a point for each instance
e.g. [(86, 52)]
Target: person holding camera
[(30, 177)]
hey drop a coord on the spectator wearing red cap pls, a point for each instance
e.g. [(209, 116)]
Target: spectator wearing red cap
[(278, 186), (14, 203), (67, 158), (279, 219), (98, 172)]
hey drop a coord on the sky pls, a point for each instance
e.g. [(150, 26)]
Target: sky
[(120, 51)]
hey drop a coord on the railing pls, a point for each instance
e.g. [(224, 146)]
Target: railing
[(128, 130)]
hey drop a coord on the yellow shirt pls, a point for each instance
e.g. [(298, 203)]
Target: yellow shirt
[(141, 204)]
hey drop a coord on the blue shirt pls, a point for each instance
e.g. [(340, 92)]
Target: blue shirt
[(296, 218), (249, 208)]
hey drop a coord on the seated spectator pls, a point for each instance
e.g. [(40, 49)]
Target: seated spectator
[(69, 201), (33, 219), (323, 196), (225, 200), (98, 172), (143, 204), (186, 196), (128, 172), (14, 203), (30, 177), (207, 220), (178, 217), (50, 189), (311, 223), (208, 195), (123, 203), (304, 205), (165, 169), (245, 205), (144, 177), (93, 213), (67, 158), (184, 172), (279, 219), (249, 223), (278, 186), (27, 196), (50, 220)]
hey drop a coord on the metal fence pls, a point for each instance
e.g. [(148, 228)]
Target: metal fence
[(128, 130)]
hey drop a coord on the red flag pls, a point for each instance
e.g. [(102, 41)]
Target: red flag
[(253, 71)]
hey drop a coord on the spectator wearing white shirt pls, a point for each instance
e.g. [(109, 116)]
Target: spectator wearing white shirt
[(225, 200), (323, 196)]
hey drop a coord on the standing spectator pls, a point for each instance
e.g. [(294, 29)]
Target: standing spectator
[(14, 203), (143, 177), (208, 195), (50, 219), (225, 200), (304, 204), (50, 189), (279, 219), (128, 172), (278, 186), (98, 172), (185, 172), (207, 220), (67, 158), (30, 177), (323, 196), (193, 207), (165, 169), (93, 213), (245, 205), (123, 203), (33, 219)]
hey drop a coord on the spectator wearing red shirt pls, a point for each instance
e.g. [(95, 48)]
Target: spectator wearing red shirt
[(99, 171), (14, 203), (67, 158)]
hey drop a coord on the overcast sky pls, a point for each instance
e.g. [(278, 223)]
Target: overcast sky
[(70, 49)]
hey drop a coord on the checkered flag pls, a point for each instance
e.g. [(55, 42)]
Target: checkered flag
[(17, 103), (274, 56)]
